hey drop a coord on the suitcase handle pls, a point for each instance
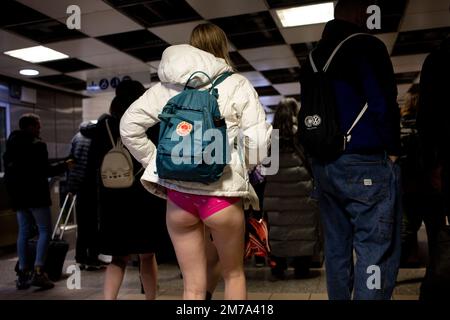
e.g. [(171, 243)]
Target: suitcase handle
[(72, 205)]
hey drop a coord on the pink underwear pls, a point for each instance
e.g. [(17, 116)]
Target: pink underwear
[(200, 205)]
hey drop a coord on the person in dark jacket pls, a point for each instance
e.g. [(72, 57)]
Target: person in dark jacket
[(81, 182), (27, 170), (129, 217), (293, 216), (359, 191), (432, 119)]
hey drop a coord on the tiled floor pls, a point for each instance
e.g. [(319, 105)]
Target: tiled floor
[(170, 285)]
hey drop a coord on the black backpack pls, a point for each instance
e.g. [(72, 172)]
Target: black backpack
[(319, 129)]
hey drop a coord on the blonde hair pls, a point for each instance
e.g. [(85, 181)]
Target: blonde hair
[(411, 105), (210, 38)]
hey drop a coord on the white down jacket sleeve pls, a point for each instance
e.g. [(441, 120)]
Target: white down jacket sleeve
[(254, 128), (140, 116)]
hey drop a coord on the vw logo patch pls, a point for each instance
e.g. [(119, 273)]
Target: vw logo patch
[(313, 121)]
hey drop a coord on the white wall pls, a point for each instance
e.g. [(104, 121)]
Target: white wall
[(94, 107)]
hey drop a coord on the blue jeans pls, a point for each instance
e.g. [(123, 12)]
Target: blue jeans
[(359, 198), (42, 217)]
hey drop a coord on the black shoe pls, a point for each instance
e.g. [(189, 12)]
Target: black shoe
[(301, 273), (23, 280), (277, 274), (41, 280)]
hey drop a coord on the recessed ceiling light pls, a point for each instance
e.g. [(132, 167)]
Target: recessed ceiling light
[(37, 54), (29, 72), (305, 15)]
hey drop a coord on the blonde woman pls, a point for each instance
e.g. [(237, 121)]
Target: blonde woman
[(187, 206)]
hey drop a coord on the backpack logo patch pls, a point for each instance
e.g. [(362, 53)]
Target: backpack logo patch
[(313, 121), (184, 128)]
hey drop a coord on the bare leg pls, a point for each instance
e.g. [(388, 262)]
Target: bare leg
[(227, 227), (187, 234), (213, 265), (114, 276), (149, 275)]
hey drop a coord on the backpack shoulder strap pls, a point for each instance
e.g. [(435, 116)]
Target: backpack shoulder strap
[(325, 68), (220, 78), (192, 76), (110, 134), (327, 64)]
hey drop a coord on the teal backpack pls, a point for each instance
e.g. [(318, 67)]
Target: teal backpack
[(188, 150)]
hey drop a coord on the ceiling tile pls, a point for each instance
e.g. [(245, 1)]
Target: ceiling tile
[(421, 21), (291, 3), (57, 9), (46, 31), (406, 77), (240, 63), (267, 91), (154, 65), (107, 22), (132, 40), (294, 96), (311, 33), (109, 72), (288, 88), (177, 33), (256, 79), (409, 63), (420, 41), (10, 41), (270, 100), (274, 57), (282, 75), (421, 6), (12, 66), (251, 30), (68, 65), (159, 12), (64, 81), (210, 9), (82, 47), (112, 59), (388, 39), (13, 13)]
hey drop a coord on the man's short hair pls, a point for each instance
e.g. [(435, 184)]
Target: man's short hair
[(28, 119)]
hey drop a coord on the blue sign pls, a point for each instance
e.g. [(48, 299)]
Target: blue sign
[(114, 82), (126, 78), (104, 84)]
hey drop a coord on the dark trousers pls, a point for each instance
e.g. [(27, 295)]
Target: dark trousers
[(87, 228), (418, 208)]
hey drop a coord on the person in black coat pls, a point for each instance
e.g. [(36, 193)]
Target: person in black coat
[(293, 217), (27, 170), (129, 217)]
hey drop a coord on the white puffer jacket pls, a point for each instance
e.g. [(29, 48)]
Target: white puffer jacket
[(238, 103)]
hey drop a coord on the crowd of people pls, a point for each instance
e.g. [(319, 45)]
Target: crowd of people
[(367, 202)]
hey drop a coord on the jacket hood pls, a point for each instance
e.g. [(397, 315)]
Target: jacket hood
[(179, 62)]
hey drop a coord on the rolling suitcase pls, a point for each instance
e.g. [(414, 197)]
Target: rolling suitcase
[(57, 248)]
